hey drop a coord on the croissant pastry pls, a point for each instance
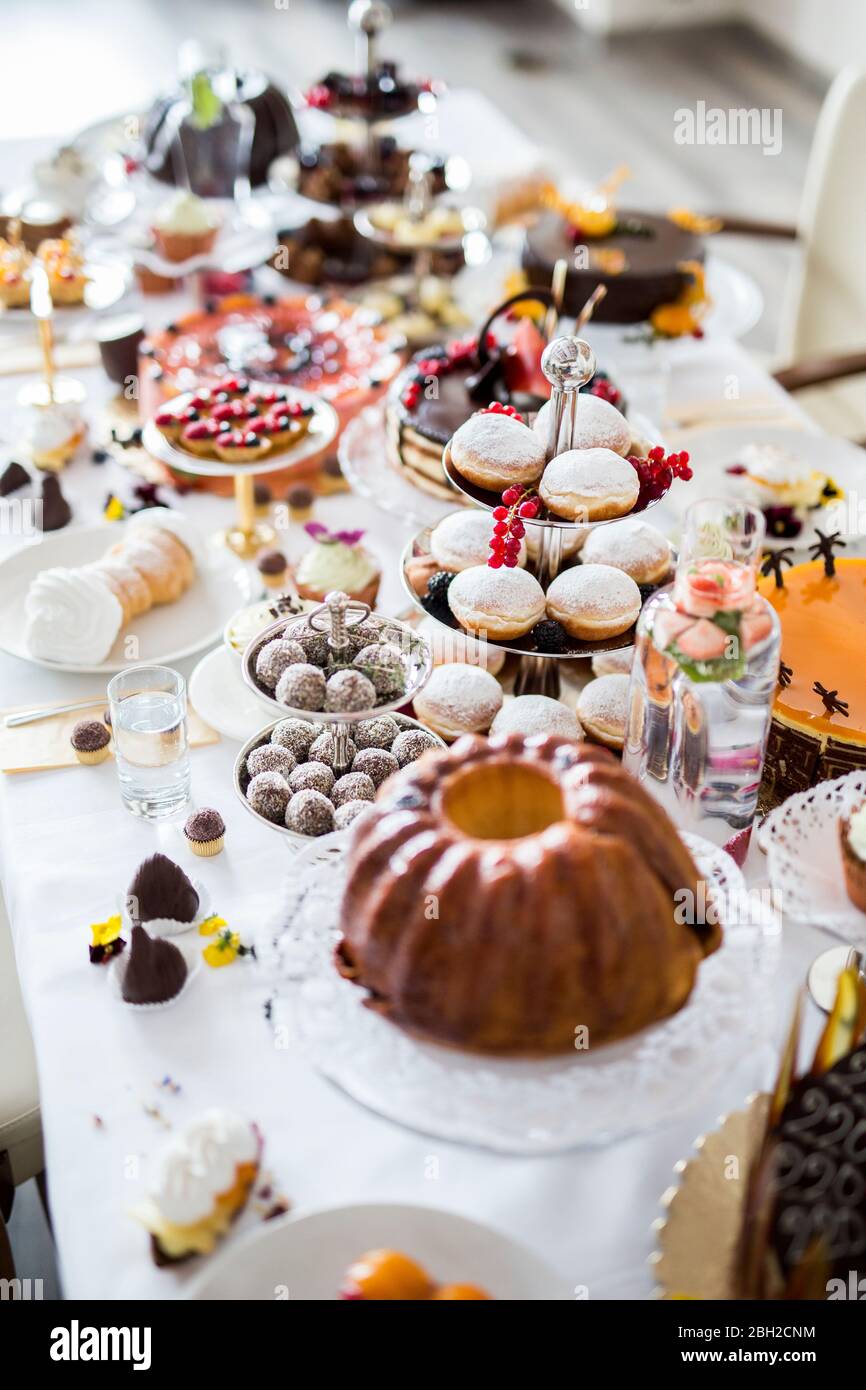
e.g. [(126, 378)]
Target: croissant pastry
[(73, 616)]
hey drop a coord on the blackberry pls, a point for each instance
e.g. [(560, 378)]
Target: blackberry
[(550, 636), (435, 601)]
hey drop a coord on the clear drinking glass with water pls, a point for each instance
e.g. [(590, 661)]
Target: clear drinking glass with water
[(148, 720)]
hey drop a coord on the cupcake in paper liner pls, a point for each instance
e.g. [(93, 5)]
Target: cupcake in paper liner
[(162, 898), (154, 972), (203, 1181)]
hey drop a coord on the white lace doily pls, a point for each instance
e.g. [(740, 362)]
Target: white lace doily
[(801, 839), (537, 1106)]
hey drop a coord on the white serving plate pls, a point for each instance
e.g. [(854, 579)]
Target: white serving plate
[(712, 451), (165, 634), (305, 1257), (217, 693)]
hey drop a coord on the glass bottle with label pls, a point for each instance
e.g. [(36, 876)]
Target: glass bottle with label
[(704, 676)]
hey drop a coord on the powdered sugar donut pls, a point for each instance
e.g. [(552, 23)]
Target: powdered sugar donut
[(449, 645), (631, 545), (463, 539), (593, 601), (589, 485), (501, 603), (459, 699), (597, 425), (536, 714), (494, 451), (603, 710), (618, 663)]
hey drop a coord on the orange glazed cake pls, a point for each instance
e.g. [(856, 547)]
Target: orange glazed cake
[(818, 729)]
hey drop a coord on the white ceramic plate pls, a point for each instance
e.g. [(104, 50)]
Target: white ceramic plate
[(218, 694), (712, 451), (305, 1257), (165, 634), (737, 302)]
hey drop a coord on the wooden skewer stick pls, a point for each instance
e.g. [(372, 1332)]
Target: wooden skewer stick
[(557, 289), (589, 309)]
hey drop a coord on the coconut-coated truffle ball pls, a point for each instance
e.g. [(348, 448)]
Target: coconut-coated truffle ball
[(273, 659), (349, 811), (376, 733), (383, 665), (411, 744), (296, 735), (314, 643), (349, 690), (302, 686), (363, 633), (353, 786), (310, 813), (316, 777), (270, 757), (376, 763), (268, 793), (323, 750)]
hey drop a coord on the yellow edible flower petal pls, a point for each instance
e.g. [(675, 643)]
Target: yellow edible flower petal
[(694, 222), (224, 950), (673, 320), (102, 933), (211, 924), (115, 511)]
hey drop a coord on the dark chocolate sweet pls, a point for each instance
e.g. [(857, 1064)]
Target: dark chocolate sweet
[(89, 735), (262, 495), (204, 824), (300, 497), (56, 511), (155, 971), (160, 888), (12, 478), (271, 562), (653, 247)]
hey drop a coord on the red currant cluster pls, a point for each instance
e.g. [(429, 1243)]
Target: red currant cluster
[(603, 387), (508, 528), (497, 408), (439, 363), (656, 472)]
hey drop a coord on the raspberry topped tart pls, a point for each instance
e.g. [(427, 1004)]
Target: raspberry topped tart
[(554, 875)]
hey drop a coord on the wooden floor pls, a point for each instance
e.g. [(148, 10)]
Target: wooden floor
[(592, 103)]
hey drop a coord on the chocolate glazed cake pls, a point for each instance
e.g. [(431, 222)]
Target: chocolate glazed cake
[(653, 248), (419, 420), (820, 1173)]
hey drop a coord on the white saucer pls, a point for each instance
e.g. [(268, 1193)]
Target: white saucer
[(218, 694), (306, 1257), (165, 634)]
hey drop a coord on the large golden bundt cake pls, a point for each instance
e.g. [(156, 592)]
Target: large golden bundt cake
[(505, 893)]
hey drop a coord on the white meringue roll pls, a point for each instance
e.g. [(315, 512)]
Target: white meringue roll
[(71, 617), (165, 519)]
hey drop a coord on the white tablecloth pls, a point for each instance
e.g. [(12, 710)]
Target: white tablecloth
[(68, 849)]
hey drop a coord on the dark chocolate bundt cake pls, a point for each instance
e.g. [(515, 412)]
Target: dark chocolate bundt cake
[(507, 894)]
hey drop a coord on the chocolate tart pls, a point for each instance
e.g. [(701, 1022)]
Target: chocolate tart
[(823, 620), (654, 248)]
